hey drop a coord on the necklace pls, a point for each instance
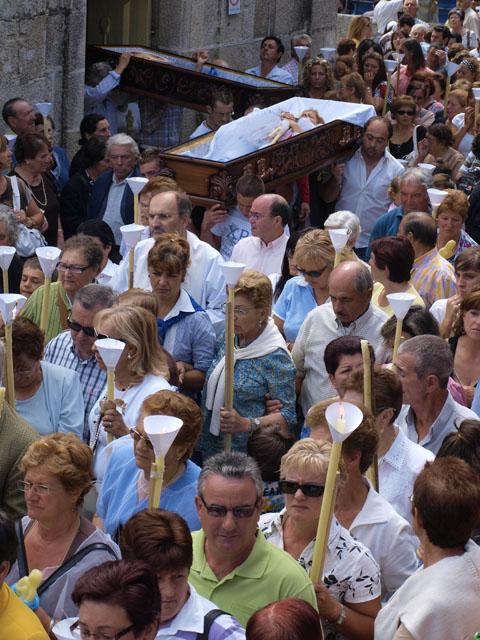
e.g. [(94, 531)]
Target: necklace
[(37, 200)]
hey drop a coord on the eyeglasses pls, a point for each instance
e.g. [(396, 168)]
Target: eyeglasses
[(311, 274), (309, 490), (77, 327), (219, 511), (103, 336), (73, 268), (26, 487), (402, 112), (137, 436), (238, 311), (85, 634)]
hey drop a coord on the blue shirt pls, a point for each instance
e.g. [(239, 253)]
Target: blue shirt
[(277, 74), (295, 301), (386, 225), (118, 499)]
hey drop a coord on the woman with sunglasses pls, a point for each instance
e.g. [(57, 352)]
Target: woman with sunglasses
[(349, 596), (79, 265), (406, 136), (47, 396), (314, 258), (141, 370), (126, 486)]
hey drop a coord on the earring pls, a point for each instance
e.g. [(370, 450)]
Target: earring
[(129, 356)]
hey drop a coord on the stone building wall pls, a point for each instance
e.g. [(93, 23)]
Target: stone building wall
[(42, 58)]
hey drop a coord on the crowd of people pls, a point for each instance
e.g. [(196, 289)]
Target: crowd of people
[(229, 550)]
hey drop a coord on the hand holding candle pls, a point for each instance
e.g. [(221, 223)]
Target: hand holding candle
[(162, 431)]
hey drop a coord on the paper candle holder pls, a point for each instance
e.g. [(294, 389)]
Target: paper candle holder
[(162, 431), (110, 351), (391, 65), (132, 234), (136, 184), (400, 303), (398, 56), (436, 196), (232, 272), (6, 257), (48, 258), (45, 108), (427, 167), (301, 51), (352, 417), (452, 68), (10, 305), (476, 93), (10, 137), (339, 238), (328, 52)]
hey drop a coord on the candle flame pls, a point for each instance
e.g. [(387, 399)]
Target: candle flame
[(341, 412)]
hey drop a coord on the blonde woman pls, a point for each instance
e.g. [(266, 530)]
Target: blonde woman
[(317, 78), (360, 28), (314, 257), (141, 371)]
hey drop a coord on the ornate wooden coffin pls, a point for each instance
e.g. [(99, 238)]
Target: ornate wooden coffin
[(208, 180), (172, 78)]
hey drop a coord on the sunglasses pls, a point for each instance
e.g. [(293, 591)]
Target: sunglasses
[(401, 112), (311, 274), (103, 336), (77, 327), (309, 490), (219, 511)]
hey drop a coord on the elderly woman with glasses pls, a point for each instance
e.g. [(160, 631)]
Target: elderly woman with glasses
[(141, 370), (314, 257), (126, 485), (263, 370), (79, 265), (54, 536), (406, 136), (47, 396), (349, 597)]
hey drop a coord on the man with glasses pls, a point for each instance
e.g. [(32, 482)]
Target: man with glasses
[(73, 348), (220, 112), (233, 565), (263, 251)]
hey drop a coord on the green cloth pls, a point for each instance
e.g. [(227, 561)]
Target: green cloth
[(267, 575), (16, 436), (33, 309)]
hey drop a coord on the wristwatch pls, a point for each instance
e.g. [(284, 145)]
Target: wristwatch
[(341, 617), (254, 424)]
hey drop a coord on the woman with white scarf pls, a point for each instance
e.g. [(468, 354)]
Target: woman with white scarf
[(263, 370)]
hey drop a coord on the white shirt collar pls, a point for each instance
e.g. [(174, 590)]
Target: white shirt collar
[(182, 304), (190, 618)]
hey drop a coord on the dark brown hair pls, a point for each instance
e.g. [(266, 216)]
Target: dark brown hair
[(397, 254)]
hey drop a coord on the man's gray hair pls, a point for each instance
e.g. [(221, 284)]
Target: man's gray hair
[(344, 220), (12, 227), (416, 175), (432, 356), (123, 140), (95, 295), (231, 465), (301, 36), (96, 72), (363, 279)]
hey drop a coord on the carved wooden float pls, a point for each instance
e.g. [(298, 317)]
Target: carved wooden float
[(169, 77)]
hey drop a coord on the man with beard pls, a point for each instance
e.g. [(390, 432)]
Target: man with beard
[(361, 184)]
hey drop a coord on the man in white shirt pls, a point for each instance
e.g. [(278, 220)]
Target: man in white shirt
[(264, 250), (472, 19), (271, 51), (349, 312), (220, 111), (429, 412), (169, 212), (384, 12), (361, 184)]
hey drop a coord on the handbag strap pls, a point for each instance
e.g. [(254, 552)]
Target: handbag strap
[(209, 619), (22, 555)]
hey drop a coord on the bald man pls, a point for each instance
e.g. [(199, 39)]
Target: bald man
[(264, 250), (349, 312), (432, 276)]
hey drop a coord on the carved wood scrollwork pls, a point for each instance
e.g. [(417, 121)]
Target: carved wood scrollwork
[(221, 186), (263, 172)]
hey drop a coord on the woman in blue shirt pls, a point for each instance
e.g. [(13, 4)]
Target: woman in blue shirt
[(126, 485), (314, 258)]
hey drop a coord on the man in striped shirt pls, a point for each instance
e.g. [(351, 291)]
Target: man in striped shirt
[(73, 348)]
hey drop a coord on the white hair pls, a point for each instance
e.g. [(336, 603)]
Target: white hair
[(123, 140), (344, 220)]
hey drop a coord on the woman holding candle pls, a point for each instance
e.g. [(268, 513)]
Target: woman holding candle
[(263, 367), (406, 135), (343, 595), (317, 78), (126, 486), (79, 265), (451, 216), (185, 330), (57, 475), (314, 257), (391, 262), (414, 61), (33, 167), (141, 370)]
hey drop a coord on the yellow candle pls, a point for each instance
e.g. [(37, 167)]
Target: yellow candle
[(131, 267), (45, 302), (110, 394), (367, 375), (136, 212), (156, 481), (10, 380), (229, 361)]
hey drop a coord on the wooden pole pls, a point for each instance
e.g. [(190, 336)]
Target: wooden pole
[(477, 111), (372, 472), (229, 361), (110, 394), (10, 380), (136, 211), (398, 338), (156, 482), (45, 303), (131, 267), (5, 280)]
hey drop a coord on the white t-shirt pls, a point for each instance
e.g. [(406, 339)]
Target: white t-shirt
[(235, 227), (465, 145)]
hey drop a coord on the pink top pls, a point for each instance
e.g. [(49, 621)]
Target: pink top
[(405, 78)]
